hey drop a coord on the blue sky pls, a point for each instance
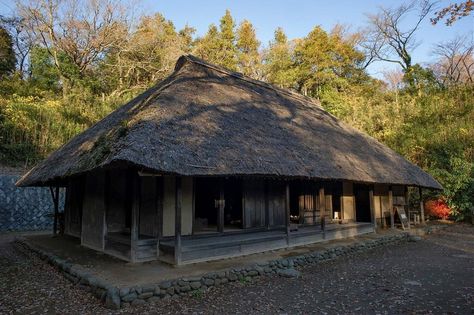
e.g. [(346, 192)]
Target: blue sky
[(297, 18)]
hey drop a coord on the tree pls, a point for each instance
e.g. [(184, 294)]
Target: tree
[(247, 50), (7, 55), (22, 42), (218, 45), (278, 62), (323, 59), (77, 32), (453, 12), (208, 46), (387, 39), (455, 62), (148, 55), (228, 50), (186, 38)]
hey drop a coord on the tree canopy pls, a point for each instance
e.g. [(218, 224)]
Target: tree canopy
[(66, 64)]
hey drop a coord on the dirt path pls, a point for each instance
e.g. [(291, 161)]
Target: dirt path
[(435, 275)]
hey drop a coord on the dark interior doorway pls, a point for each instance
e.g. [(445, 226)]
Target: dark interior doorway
[(233, 204), (303, 200), (207, 200), (362, 203)]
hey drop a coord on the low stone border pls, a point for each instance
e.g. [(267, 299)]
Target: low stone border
[(115, 297)]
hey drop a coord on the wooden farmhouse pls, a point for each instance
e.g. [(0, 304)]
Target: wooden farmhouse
[(210, 164)]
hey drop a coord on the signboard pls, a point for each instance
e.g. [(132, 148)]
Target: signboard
[(402, 216)]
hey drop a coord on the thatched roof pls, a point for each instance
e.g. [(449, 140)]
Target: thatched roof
[(205, 120)]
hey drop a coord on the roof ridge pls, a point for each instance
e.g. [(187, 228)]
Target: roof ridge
[(241, 76)]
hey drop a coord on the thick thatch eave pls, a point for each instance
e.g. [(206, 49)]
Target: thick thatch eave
[(207, 121)]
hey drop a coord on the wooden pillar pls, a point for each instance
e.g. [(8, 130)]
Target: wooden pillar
[(287, 212), (407, 205), (55, 197), (134, 229), (422, 206), (177, 222), (220, 213), (372, 209), (322, 210), (390, 204)]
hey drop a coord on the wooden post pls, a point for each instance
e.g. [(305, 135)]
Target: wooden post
[(55, 197), (177, 222), (322, 210), (220, 214), (134, 229), (372, 209), (287, 212), (407, 205), (422, 206), (390, 204)]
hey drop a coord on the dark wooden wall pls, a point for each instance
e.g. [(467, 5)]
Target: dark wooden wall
[(73, 207), (118, 201), (93, 212), (276, 203), (254, 203), (149, 206)]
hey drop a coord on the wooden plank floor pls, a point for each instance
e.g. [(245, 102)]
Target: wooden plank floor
[(237, 244)]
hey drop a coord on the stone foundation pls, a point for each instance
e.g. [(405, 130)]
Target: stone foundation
[(115, 297)]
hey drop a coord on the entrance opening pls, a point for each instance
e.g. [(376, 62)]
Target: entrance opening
[(333, 192), (303, 201), (362, 203), (208, 200), (233, 204)]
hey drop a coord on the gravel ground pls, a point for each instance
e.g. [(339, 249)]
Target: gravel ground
[(431, 276)]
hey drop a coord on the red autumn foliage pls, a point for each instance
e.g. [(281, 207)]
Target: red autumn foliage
[(437, 208)]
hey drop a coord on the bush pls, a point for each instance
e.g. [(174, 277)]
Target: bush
[(437, 208)]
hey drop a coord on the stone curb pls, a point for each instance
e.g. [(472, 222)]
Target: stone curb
[(115, 298)]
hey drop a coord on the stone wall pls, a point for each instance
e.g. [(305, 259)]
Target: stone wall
[(117, 297), (25, 209)]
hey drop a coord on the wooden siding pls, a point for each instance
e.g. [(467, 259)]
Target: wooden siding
[(254, 203), (93, 215), (276, 203)]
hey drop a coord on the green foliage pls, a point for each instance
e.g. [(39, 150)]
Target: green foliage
[(218, 46), (7, 55), (44, 75), (247, 46), (325, 60), (32, 127), (227, 46), (278, 62)]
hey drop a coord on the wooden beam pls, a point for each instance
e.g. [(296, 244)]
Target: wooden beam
[(422, 206), (372, 209), (177, 222), (134, 228), (287, 212), (390, 204), (322, 210)]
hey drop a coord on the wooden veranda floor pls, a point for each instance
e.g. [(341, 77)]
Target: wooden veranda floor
[(211, 247)]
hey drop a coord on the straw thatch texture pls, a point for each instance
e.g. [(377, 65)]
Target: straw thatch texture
[(205, 120)]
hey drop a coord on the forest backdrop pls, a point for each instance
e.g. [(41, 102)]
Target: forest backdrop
[(65, 64)]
